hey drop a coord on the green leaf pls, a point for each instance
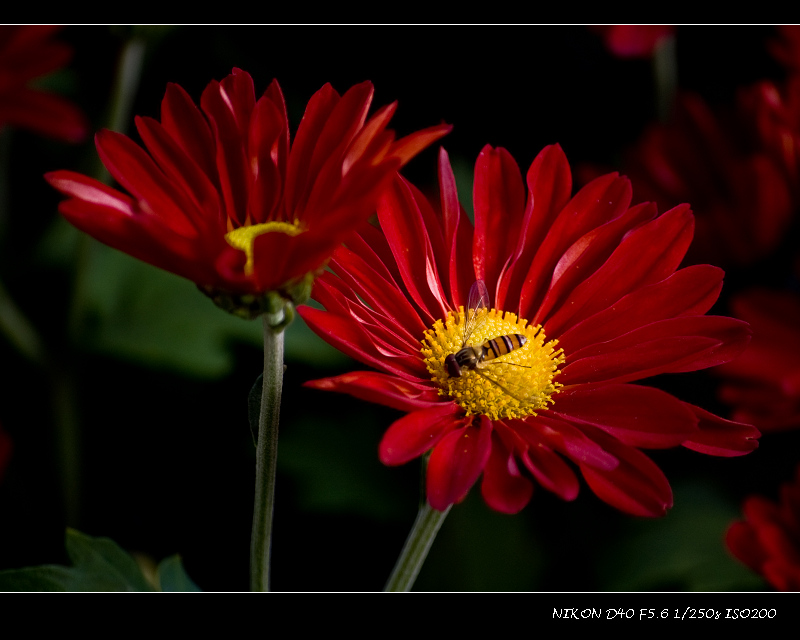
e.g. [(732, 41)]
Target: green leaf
[(44, 578), (99, 564), (173, 577), (152, 317), (334, 466), (684, 551), (133, 311)]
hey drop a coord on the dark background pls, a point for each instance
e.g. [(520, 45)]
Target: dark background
[(158, 378)]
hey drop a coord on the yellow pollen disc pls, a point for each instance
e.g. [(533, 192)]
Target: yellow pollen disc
[(513, 385), (244, 237)]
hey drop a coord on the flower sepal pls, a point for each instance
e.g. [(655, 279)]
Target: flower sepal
[(277, 304)]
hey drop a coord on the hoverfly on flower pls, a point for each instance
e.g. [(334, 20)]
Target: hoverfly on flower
[(474, 357), (593, 284), (478, 356)]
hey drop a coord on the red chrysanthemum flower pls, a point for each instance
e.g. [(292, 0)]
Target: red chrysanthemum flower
[(590, 286), (763, 384), (719, 162), (222, 198), (768, 540), (27, 52), (634, 40)]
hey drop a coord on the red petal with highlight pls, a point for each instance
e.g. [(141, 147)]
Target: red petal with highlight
[(690, 291), (667, 238), (456, 462), (504, 487), (382, 389), (637, 486), (415, 433), (636, 416), (668, 346), (720, 437), (498, 195)]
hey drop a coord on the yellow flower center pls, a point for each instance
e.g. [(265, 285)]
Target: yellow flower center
[(513, 385), (244, 237)]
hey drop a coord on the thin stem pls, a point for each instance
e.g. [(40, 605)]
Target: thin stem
[(665, 73), (418, 543), (126, 84), (19, 331), (267, 451)]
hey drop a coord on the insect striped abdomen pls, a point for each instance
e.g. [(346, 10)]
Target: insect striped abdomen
[(501, 345)]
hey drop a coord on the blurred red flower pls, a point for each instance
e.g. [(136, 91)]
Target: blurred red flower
[(634, 40), (601, 279), (220, 196), (775, 110), (785, 47), (763, 384), (28, 52), (737, 183), (768, 540)]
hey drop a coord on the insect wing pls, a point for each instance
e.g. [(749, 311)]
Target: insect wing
[(478, 299)]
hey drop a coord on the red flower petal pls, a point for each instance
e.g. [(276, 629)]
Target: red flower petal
[(266, 139), (139, 175), (552, 472), (549, 181), (348, 337), (504, 487), (690, 291), (298, 169), (415, 433), (45, 113), (666, 238), (636, 416), (456, 462), (406, 148), (186, 125), (668, 346), (601, 200), (376, 291), (636, 486), (586, 257), (231, 160), (720, 437), (498, 195), (457, 234), (404, 231), (181, 169), (381, 388), (568, 440)]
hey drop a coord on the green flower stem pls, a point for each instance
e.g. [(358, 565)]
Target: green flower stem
[(19, 331), (126, 84), (416, 549), (267, 450), (665, 74)]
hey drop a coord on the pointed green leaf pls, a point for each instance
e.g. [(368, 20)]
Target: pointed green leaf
[(44, 578), (173, 577), (99, 564)]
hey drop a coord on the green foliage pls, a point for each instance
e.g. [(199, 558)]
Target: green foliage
[(133, 311), (683, 551), (478, 549), (173, 577), (99, 564)]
